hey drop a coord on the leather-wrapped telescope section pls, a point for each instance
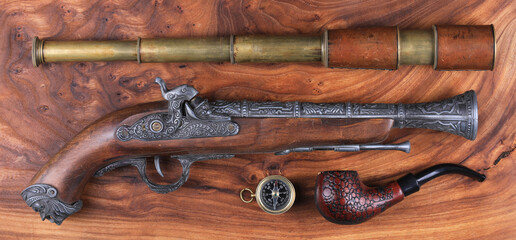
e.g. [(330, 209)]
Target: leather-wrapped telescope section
[(444, 47)]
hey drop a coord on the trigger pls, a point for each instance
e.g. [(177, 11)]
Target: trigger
[(156, 165)]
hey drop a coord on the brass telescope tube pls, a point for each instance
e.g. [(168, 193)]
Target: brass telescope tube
[(444, 47)]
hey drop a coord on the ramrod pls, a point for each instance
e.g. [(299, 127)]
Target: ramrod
[(189, 129)]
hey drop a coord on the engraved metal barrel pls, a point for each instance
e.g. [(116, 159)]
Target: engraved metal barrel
[(444, 47), (457, 115)]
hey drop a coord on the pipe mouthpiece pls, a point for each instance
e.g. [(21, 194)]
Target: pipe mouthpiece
[(482, 178), (411, 183), (447, 168)]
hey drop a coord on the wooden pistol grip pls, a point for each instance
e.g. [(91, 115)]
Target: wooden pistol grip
[(97, 145)]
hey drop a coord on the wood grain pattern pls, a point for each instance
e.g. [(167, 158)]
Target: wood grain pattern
[(43, 108)]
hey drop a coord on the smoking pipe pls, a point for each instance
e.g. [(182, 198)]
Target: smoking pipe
[(342, 198)]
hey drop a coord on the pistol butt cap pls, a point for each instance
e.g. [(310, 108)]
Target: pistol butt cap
[(43, 198), (37, 51)]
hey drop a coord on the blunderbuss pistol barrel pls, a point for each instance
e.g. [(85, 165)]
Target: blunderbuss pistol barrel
[(457, 115), (444, 47)]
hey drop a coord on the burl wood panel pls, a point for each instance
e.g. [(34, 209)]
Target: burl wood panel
[(43, 108)]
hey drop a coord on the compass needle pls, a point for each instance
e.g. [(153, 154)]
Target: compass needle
[(275, 194)]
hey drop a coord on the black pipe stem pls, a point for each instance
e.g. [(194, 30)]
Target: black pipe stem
[(411, 183)]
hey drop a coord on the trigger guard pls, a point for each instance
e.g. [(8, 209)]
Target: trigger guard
[(141, 165), (164, 188)]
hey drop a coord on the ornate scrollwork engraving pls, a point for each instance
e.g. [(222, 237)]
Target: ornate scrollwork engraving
[(266, 109), (374, 109), (43, 199), (189, 128), (176, 97), (457, 115), (322, 109), (228, 108), (182, 121)]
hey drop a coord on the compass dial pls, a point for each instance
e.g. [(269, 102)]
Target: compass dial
[(275, 194)]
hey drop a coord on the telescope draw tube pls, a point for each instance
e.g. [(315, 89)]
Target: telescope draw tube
[(445, 47)]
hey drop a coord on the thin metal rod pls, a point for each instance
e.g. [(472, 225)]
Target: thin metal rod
[(404, 147)]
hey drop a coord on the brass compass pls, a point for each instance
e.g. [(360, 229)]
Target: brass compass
[(274, 194)]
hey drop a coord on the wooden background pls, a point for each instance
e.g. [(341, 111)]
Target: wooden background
[(42, 108)]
